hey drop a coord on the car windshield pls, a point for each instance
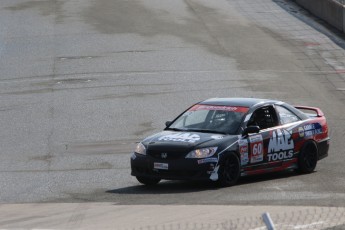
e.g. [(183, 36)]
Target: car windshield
[(210, 118)]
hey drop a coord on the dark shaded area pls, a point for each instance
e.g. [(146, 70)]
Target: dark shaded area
[(339, 227), (318, 24), (167, 187), (45, 7), (133, 17), (176, 187)]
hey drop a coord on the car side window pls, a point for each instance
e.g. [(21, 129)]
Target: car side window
[(265, 117), (286, 116)]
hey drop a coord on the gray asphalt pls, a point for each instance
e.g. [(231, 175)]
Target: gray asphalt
[(106, 215), (82, 81)]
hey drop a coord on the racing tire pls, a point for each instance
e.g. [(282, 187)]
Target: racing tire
[(148, 180), (229, 171), (308, 158)]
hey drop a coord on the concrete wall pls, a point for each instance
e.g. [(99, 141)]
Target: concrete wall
[(329, 10)]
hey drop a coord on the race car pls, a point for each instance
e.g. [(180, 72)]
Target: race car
[(222, 139)]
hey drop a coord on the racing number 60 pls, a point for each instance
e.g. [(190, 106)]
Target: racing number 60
[(257, 149)]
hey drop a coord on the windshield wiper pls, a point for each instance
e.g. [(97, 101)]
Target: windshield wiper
[(175, 129), (197, 130)]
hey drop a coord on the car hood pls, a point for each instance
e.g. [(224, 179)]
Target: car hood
[(183, 140)]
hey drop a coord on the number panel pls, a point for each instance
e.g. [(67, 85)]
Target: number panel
[(256, 148)]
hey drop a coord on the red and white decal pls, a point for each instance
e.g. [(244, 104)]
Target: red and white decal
[(243, 146), (220, 107), (256, 148)]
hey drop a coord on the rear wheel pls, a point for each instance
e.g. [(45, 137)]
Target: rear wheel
[(148, 180), (308, 158), (229, 171)]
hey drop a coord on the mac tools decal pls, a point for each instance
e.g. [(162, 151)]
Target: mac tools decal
[(281, 145), (181, 137)]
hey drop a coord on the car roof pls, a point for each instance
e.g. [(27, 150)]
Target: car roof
[(244, 102)]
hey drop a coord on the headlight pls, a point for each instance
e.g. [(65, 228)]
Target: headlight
[(140, 149), (202, 153)]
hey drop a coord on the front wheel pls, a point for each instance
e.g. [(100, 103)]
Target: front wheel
[(308, 158), (148, 180), (229, 171)]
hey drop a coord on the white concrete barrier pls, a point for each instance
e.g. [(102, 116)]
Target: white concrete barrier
[(331, 11)]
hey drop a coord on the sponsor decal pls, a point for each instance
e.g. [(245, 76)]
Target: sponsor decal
[(217, 137), (219, 107), (181, 137), (214, 174), (312, 129), (281, 145), (243, 147), (208, 160), (257, 148), (301, 131), (163, 166)]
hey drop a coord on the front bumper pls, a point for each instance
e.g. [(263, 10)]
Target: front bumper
[(177, 169)]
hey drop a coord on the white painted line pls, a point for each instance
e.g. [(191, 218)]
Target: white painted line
[(308, 225)]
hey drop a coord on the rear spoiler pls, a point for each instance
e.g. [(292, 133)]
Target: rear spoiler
[(318, 111)]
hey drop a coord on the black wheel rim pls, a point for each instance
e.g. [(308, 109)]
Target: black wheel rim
[(310, 157), (231, 169)]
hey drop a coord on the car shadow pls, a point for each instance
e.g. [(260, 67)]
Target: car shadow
[(175, 187), (267, 177), (167, 187)]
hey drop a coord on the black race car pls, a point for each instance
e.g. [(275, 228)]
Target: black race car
[(222, 139)]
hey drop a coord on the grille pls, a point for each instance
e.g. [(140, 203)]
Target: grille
[(169, 174), (171, 155)]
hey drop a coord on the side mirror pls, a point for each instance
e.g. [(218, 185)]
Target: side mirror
[(167, 123), (250, 129)]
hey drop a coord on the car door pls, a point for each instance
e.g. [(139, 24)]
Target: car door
[(264, 147), (282, 145)]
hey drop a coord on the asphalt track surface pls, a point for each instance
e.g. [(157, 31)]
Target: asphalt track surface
[(82, 81)]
